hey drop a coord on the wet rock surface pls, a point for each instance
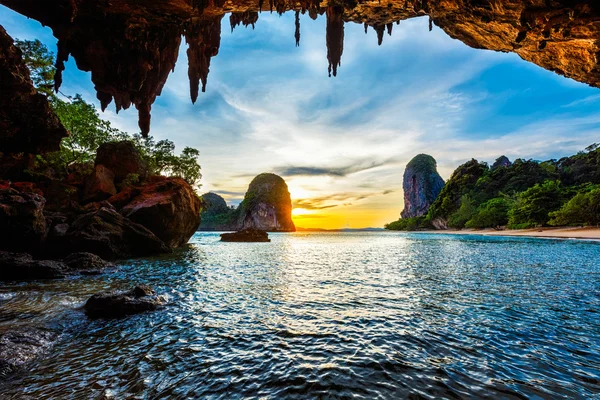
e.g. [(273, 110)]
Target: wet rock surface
[(246, 235), (116, 304), (19, 347), (22, 267), (86, 263)]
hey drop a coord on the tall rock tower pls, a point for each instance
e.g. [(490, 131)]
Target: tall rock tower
[(422, 185), (267, 205)]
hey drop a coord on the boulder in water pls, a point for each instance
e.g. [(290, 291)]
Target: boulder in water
[(246, 235), (22, 267), (86, 263), (19, 347), (114, 304)]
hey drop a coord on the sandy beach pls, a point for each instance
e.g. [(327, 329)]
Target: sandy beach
[(557, 233)]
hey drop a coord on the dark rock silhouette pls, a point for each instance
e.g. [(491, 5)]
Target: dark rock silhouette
[(27, 123), (267, 205), (246, 235), (122, 158), (22, 221), (100, 185), (422, 184), (22, 267), (501, 161), (115, 304)]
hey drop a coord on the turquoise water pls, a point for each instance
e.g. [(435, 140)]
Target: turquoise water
[(318, 315)]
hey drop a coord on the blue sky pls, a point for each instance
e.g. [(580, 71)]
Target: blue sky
[(342, 143)]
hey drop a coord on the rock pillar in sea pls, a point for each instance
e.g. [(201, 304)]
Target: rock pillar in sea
[(267, 205), (422, 184)]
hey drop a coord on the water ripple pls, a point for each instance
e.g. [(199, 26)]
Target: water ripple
[(373, 315)]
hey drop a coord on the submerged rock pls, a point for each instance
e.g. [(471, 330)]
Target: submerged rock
[(22, 267), (422, 184), (110, 235), (267, 205), (246, 235), (18, 348), (115, 304), (168, 207)]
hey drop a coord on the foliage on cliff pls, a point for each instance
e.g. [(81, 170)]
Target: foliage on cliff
[(87, 131), (216, 216), (523, 194)]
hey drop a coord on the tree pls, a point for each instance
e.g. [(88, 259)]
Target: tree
[(534, 204), (583, 208), (41, 64), (464, 213), (491, 214), (87, 131)]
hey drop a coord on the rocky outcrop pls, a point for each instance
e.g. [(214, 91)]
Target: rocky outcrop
[(27, 124), (246, 235), (116, 304), (422, 184), (99, 185), (22, 221), (20, 347), (501, 161), (110, 235), (122, 158), (267, 205), (168, 207)]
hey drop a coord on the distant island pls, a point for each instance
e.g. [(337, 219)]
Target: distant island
[(267, 206), (506, 195)]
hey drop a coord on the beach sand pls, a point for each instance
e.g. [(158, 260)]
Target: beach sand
[(558, 233)]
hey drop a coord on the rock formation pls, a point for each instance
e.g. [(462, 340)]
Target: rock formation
[(22, 221), (501, 161), (422, 184), (130, 47), (122, 159), (246, 235), (267, 205), (27, 124), (168, 207), (114, 304), (20, 346)]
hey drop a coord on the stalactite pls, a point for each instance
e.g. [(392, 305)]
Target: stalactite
[(280, 6), (334, 37), (62, 55), (389, 27), (245, 18), (430, 24), (260, 4), (204, 39), (297, 34), (380, 29)]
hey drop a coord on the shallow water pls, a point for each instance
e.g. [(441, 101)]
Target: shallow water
[(319, 315)]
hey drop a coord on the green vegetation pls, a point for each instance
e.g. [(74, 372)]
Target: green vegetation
[(408, 224), (524, 194), (87, 131)]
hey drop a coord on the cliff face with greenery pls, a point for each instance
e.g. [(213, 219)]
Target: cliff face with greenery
[(422, 185), (216, 216), (522, 194)]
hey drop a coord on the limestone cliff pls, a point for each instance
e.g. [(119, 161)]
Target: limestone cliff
[(422, 185), (267, 205)]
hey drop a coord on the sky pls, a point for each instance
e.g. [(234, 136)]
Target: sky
[(342, 143)]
